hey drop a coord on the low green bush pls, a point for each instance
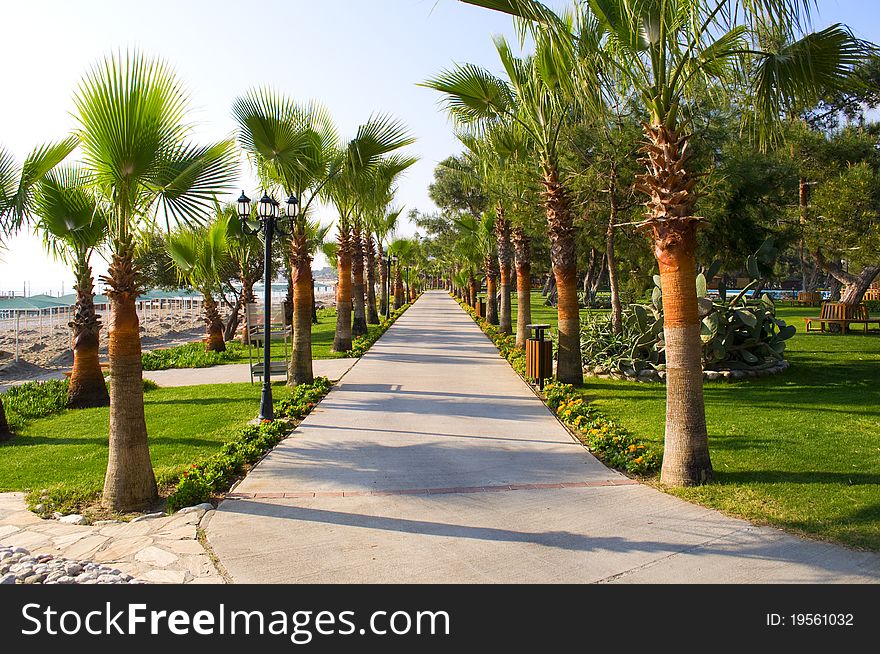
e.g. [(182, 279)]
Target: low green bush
[(191, 355), (614, 445), (215, 475), (34, 400), (361, 344), (303, 399)]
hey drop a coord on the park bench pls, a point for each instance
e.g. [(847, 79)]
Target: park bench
[(837, 313), (809, 298)]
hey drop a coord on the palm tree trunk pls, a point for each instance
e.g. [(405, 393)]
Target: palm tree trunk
[(569, 369), (5, 432), (370, 251), (247, 297), (523, 250), (300, 371), (87, 386), (129, 484), (473, 291), (383, 281), (671, 201), (502, 239), (491, 264), (213, 325), (398, 288), (359, 322), (342, 340), (613, 282)]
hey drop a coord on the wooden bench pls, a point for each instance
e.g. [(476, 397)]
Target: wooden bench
[(809, 298), (837, 313), (872, 295)]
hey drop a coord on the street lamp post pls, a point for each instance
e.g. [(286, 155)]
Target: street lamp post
[(269, 222)]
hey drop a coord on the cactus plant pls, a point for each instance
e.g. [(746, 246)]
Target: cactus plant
[(737, 334)]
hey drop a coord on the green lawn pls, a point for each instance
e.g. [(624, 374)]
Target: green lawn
[(185, 426), (799, 451)]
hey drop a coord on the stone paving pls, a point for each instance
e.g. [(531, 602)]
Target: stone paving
[(162, 550), (432, 461)]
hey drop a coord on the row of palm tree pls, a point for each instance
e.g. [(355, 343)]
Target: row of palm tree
[(662, 59), (140, 172)]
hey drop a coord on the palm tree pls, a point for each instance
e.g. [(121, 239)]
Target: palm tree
[(246, 255), (294, 149), (403, 249), (362, 161), (478, 243), (383, 226), (17, 184), (133, 130), (664, 55), (199, 254), (74, 224), (522, 247), (377, 198), (536, 96), (316, 236)]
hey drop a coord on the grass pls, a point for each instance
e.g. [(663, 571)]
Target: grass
[(800, 451), (69, 450)]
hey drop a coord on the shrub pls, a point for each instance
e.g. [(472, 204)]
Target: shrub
[(215, 475), (614, 445), (191, 355), (35, 400), (361, 344)]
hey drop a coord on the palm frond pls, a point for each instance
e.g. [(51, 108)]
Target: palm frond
[(472, 94)]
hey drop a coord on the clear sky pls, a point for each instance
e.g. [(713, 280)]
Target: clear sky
[(355, 56)]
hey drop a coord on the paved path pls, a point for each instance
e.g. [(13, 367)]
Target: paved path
[(156, 550), (433, 462), (333, 369)]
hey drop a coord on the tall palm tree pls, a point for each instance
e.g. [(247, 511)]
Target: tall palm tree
[(403, 249), (17, 183), (377, 197), (246, 255), (478, 240), (361, 161), (383, 226), (664, 55), (131, 112), (522, 247), (295, 149), (74, 224), (536, 96), (199, 255)]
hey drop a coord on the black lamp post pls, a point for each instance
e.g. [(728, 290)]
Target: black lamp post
[(269, 222)]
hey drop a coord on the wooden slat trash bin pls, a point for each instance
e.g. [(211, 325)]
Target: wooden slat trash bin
[(480, 308), (539, 356)]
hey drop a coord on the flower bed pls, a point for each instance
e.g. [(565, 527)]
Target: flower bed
[(611, 443), (215, 476)]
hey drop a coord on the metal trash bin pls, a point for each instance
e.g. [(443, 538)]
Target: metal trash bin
[(539, 356)]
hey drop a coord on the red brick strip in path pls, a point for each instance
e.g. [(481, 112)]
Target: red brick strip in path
[(431, 491)]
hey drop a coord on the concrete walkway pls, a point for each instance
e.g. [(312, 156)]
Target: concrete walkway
[(332, 369), (433, 462)]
